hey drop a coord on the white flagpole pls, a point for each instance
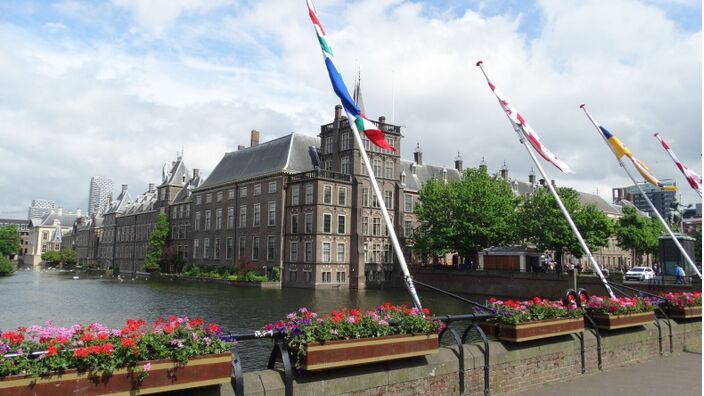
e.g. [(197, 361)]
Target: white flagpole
[(522, 138), (664, 223), (389, 225), (675, 160)]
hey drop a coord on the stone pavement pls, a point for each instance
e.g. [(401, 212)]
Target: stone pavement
[(676, 375)]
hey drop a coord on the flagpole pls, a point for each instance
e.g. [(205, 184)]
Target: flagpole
[(676, 161), (576, 232), (664, 223), (389, 225)]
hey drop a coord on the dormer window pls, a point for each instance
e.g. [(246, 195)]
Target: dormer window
[(403, 178), (183, 179), (413, 168), (444, 174)]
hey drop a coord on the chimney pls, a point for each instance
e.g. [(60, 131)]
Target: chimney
[(418, 155), (338, 112), (254, 138), (124, 187), (458, 163), (553, 183), (152, 188), (382, 120), (60, 211), (542, 182), (196, 173), (531, 177), (504, 171), (482, 165), (240, 147), (78, 212)]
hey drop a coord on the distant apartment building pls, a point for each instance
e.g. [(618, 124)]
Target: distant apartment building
[(40, 208), (22, 226), (99, 194), (661, 199)]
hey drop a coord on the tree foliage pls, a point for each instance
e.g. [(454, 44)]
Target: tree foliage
[(638, 233), (542, 223), (9, 240), (157, 242), (466, 215), (51, 257), (6, 267), (68, 256)]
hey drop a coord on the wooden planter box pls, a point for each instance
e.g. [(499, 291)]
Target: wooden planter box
[(164, 376), (685, 313), (612, 322), (542, 329), (490, 327), (332, 354)]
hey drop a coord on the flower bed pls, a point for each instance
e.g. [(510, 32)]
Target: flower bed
[(683, 305), (520, 321), (616, 313), (349, 337), (95, 359)]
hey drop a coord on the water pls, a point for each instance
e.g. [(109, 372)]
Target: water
[(29, 297)]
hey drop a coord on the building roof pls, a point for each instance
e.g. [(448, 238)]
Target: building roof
[(49, 220), (600, 203), (287, 154), (184, 194), (175, 174), (423, 173), (143, 203), (119, 205)]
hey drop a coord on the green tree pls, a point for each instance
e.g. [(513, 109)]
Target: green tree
[(638, 233), (68, 256), (157, 242), (9, 240), (51, 257), (542, 223), (6, 267), (465, 216)]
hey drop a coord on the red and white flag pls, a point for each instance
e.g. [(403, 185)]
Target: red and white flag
[(694, 180)]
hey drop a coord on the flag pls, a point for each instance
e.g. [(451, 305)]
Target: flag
[(520, 124), (620, 150), (694, 180), (354, 114)]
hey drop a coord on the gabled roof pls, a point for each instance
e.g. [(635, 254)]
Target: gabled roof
[(175, 174), (423, 173), (287, 154), (119, 205), (143, 203), (184, 194), (600, 203), (65, 219)]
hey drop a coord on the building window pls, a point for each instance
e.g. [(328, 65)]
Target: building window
[(340, 276), (403, 178), (199, 199), (345, 141), (309, 193), (327, 194), (328, 145), (255, 248), (389, 170), (207, 220), (230, 248), (345, 165), (365, 197), (243, 246), (407, 228), (208, 198), (206, 248), (243, 216), (196, 247), (243, 192), (270, 247), (219, 196), (309, 223), (257, 189), (376, 226), (376, 166), (231, 193), (327, 276), (408, 203), (216, 248), (327, 223), (326, 252), (341, 226), (174, 213), (188, 211), (292, 275), (327, 165), (389, 199), (196, 223), (230, 217), (218, 218), (342, 196), (271, 218), (308, 252), (272, 187), (257, 215), (293, 253), (340, 252), (294, 223), (295, 191), (306, 276)]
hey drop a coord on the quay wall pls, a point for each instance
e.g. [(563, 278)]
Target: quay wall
[(513, 367), (525, 284)]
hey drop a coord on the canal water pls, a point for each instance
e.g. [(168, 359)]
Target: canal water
[(32, 297)]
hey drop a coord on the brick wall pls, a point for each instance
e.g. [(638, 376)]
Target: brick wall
[(513, 367)]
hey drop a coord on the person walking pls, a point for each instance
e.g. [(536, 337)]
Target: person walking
[(679, 275)]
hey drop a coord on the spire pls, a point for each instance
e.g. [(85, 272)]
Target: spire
[(357, 95)]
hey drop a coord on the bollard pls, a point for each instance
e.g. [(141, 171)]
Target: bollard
[(572, 279)]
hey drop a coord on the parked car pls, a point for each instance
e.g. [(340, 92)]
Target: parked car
[(640, 273)]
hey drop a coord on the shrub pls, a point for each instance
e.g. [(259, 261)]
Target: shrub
[(253, 277), (233, 278), (6, 267), (276, 274), (222, 271), (193, 271)]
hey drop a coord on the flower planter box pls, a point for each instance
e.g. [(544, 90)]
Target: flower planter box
[(542, 329), (333, 354), (490, 327), (164, 376), (612, 322), (685, 312)]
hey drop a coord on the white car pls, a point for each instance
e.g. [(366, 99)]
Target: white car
[(640, 273)]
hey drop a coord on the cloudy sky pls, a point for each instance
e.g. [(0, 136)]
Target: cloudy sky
[(116, 88)]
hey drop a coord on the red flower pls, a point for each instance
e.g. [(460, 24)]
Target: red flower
[(128, 342), (102, 336), (426, 311), (106, 348), (196, 322), (51, 351), (87, 337)]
